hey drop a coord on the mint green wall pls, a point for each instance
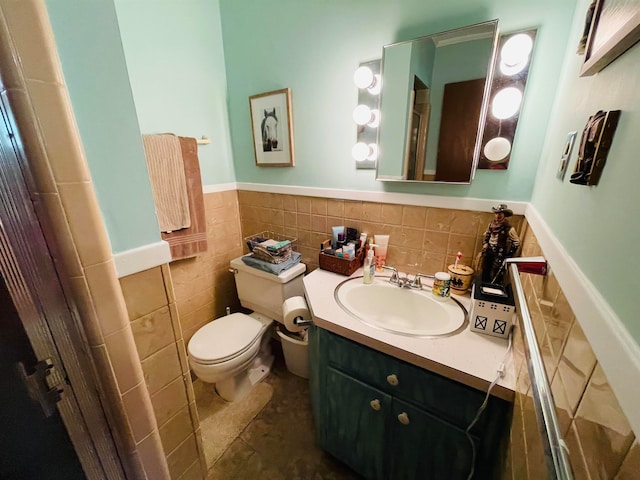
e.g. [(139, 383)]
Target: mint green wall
[(176, 68), (314, 47), (88, 41), (598, 226)]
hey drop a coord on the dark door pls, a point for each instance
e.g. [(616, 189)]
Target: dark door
[(461, 107), (32, 445)]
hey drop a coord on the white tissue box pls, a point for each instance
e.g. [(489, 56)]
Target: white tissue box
[(492, 310)]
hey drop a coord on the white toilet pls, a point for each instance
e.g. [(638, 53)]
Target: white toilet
[(233, 351)]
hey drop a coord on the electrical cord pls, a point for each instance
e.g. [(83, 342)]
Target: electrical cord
[(500, 371)]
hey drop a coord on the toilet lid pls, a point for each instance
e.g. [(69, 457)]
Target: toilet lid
[(224, 338)]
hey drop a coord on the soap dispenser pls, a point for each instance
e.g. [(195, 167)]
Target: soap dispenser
[(369, 266)]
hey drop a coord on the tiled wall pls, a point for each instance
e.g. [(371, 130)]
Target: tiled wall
[(601, 443), (153, 316), (422, 239), (64, 198), (203, 285)]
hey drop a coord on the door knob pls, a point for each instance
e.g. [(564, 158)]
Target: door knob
[(375, 404), (392, 379), (403, 418)]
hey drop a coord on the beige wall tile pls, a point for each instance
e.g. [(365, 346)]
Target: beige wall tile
[(176, 430), (29, 128), (372, 212), (139, 411), (169, 400), (183, 457), (435, 242), (107, 297), (319, 206), (153, 332), (605, 433), (144, 292), (62, 145), (461, 243), (631, 465), (88, 316), (576, 458), (413, 216), (466, 223), (85, 219), (10, 71), (392, 213), (304, 221), (563, 412), (289, 203), (33, 38), (303, 204), (439, 219), (319, 224), (154, 464), (576, 364), (161, 368), (335, 208), (194, 472), (65, 251), (124, 359), (353, 210)]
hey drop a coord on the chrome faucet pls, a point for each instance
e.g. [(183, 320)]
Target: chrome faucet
[(403, 280), (416, 283)]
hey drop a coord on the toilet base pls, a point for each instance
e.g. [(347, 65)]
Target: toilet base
[(237, 387)]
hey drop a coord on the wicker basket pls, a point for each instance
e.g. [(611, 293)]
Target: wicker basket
[(343, 266), (252, 240)]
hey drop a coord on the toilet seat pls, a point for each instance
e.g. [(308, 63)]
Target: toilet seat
[(225, 338)]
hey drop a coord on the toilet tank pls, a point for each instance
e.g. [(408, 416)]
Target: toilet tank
[(265, 292)]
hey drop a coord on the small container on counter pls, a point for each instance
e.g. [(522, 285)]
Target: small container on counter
[(461, 277), (442, 285)]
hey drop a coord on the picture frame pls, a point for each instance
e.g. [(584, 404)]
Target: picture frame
[(615, 27), (272, 128)]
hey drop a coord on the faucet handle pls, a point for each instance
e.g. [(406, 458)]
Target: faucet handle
[(394, 275), (416, 283)]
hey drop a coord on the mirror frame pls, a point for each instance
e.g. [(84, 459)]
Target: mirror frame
[(483, 109)]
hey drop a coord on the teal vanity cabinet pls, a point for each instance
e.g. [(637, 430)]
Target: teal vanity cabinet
[(390, 420)]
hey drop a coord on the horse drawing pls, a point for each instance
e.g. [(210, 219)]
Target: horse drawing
[(269, 129)]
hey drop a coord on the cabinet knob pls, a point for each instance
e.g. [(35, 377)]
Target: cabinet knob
[(392, 379), (375, 404), (403, 418)]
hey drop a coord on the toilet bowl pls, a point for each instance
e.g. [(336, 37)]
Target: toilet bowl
[(232, 352)]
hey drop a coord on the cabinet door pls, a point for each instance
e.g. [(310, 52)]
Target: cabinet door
[(424, 447), (355, 423)]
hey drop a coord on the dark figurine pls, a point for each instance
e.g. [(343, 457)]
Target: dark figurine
[(500, 242)]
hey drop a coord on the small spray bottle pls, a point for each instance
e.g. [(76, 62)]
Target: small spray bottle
[(369, 267)]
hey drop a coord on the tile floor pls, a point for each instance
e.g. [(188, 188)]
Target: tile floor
[(279, 443)]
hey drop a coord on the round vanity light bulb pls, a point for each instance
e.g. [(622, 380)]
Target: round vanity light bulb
[(362, 115), (375, 118), (497, 149), (373, 151), (360, 151), (363, 77), (376, 88), (514, 54), (506, 103)]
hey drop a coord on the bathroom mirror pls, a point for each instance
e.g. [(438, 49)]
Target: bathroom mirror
[(433, 105)]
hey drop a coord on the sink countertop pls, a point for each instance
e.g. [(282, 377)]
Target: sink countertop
[(467, 357)]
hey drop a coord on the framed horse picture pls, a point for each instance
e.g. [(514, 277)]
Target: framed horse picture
[(272, 128)]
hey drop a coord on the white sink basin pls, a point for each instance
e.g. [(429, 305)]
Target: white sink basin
[(400, 310)]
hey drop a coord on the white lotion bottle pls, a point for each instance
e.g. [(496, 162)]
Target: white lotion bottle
[(369, 267)]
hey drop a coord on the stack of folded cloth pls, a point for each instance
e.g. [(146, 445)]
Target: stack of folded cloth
[(272, 256), (272, 251)]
